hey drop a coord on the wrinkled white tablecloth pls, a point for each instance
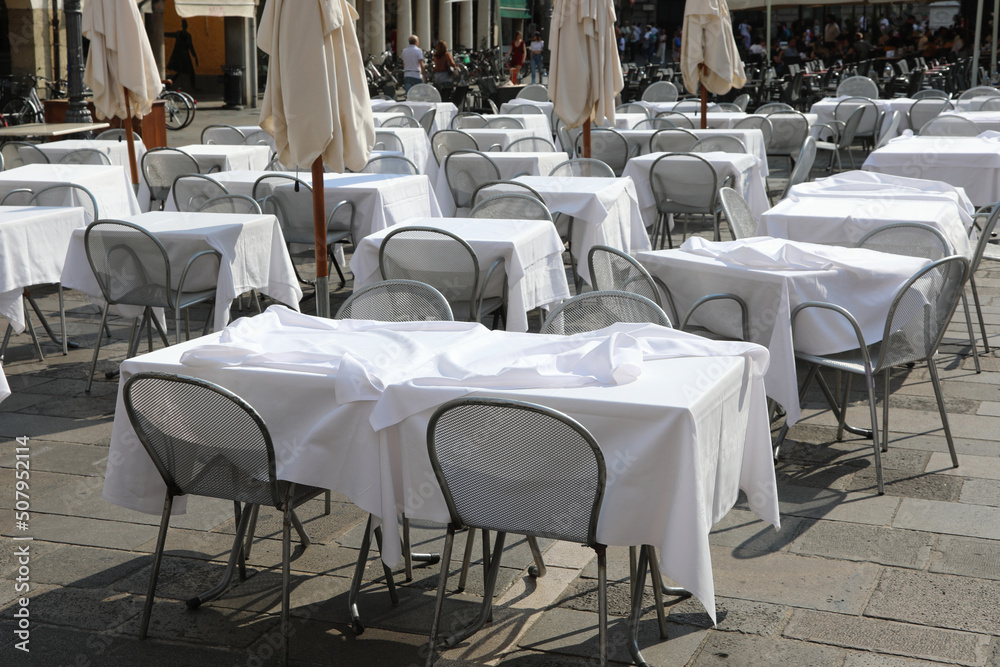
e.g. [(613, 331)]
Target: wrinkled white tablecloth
[(117, 151), (417, 147), (986, 120), (531, 249), (110, 185), (773, 276), (509, 164), (486, 138), (681, 420), (751, 137), (442, 119)]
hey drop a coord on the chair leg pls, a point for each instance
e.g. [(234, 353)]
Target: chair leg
[(300, 529), (359, 570), (638, 587), (654, 570), (62, 321), (161, 540), (34, 336), (242, 560), (389, 581), (972, 332), (486, 612), (6, 339), (842, 419), (885, 409), (251, 529), (97, 346), (979, 313), (602, 603), (442, 586), (470, 541), (328, 502), (234, 556), (802, 394), (936, 381), (538, 569), (870, 386), (286, 558), (409, 556)]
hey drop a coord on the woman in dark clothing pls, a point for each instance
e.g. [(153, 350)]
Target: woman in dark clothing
[(444, 66), (180, 57), (517, 52)]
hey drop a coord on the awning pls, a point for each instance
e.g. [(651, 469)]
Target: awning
[(189, 8), (514, 9)]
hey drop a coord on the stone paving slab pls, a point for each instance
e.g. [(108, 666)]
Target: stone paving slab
[(937, 600), (948, 518), (874, 544)]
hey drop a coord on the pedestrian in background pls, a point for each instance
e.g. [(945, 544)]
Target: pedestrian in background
[(413, 64), (516, 56), (537, 49)]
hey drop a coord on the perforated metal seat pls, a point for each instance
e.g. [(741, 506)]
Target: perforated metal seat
[(531, 145), (742, 224), (858, 86), (661, 91), (723, 143), (595, 310), (423, 92), (162, 166), (427, 121), (653, 124), (116, 134), (923, 111), (225, 135), (396, 301), (758, 122), (672, 140), (230, 204), (525, 109), (511, 206), (190, 191), (391, 164), (399, 108), (387, 141), (258, 138), (445, 142), (582, 167), (85, 156), (401, 121), (465, 171), (465, 120), (534, 92), (67, 194), (609, 146), (684, 184), (632, 107), (614, 270), (503, 123), (950, 126), (494, 188), (19, 153), (677, 118)]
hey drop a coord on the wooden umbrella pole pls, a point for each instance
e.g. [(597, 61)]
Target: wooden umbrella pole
[(319, 237), (704, 102), (586, 138), (130, 139)]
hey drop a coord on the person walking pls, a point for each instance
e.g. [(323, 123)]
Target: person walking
[(413, 64), (537, 49), (180, 57), (444, 67), (517, 50)]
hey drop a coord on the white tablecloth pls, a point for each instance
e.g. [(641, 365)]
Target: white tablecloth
[(4, 387), (110, 185), (825, 107), (626, 121), (752, 138), (442, 119), (117, 151), (253, 252), (986, 120), (972, 103), (509, 164), (746, 170), (972, 163), (250, 129), (228, 158), (532, 121), (679, 441), (486, 138), (605, 211), (417, 147), (33, 243), (862, 281), (531, 250)]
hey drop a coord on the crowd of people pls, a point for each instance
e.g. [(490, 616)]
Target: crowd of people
[(647, 44)]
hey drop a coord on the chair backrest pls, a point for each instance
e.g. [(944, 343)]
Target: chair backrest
[(632, 107), (950, 126), (929, 93), (390, 164), (772, 107), (203, 439), (423, 92), (531, 145), (116, 134), (672, 140), (534, 92), (396, 301), (595, 310), (851, 126), (399, 108), (504, 123), (585, 167), (525, 110), (17, 197), (979, 91), (985, 236), (517, 467), (677, 118), (728, 107), (230, 204), (608, 146), (427, 121), (225, 135), (914, 239), (467, 120), (738, 214), (85, 156), (162, 166), (890, 127), (661, 91), (387, 141), (13, 156), (654, 124), (258, 138), (790, 129), (445, 142), (990, 104), (511, 206), (869, 119), (291, 205), (130, 265), (923, 110), (684, 183), (465, 171), (742, 101), (435, 257), (494, 188), (803, 166), (858, 86), (760, 122), (67, 194), (722, 142), (190, 191), (401, 121), (613, 269)]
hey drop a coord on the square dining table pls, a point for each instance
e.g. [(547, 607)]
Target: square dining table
[(494, 139), (417, 147), (509, 164), (254, 256), (55, 151), (751, 137), (531, 250), (110, 184), (986, 120), (444, 111), (681, 433)]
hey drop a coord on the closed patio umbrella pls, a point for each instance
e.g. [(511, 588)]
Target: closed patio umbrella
[(120, 66), (316, 103), (585, 73), (708, 51)]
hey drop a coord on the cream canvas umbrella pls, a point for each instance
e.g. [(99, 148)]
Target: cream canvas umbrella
[(708, 51), (585, 73), (316, 103), (120, 66)]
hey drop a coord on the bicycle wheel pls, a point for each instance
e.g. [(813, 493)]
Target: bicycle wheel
[(192, 107), (20, 112), (177, 109)]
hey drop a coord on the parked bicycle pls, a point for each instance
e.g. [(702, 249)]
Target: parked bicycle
[(179, 106)]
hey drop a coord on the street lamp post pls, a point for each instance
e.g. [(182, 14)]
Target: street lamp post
[(77, 112)]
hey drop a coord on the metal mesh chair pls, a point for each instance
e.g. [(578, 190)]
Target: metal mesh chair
[(803, 166), (162, 166), (67, 194), (582, 167), (427, 121), (990, 104), (531, 145), (985, 236), (858, 86), (190, 191), (790, 129), (654, 124), (738, 214), (503, 123), (595, 310), (523, 469), (230, 204), (672, 140), (511, 206), (759, 122), (609, 146), (889, 128), (727, 107), (614, 270), (423, 92), (117, 134), (17, 197), (447, 263), (387, 141), (683, 184), (950, 126), (401, 121), (525, 110), (396, 301), (843, 139), (494, 188), (399, 108), (18, 153), (723, 143), (132, 268), (742, 101), (632, 107), (225, 135), (85, 156), (979, 91), (468, 120), (773, 107), (661, 91), (391, 164), (677, 118), (923, 111), (915, 324), (465, 171), (534, 92), (929, 93), (258, 138), (206, 441), (445, 142), (870, 119)]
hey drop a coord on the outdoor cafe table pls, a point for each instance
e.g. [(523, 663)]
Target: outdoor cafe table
[(531, 250), (109, 184), (416, 147), (539, 122), (253, 252), (972, 163), (33, 243), (117, 151), (986, 120), (679, 440), (605, 211), (746, 170), (510, 165), (824, 109), (225, 158), (751, 137), (488, 137), (773, 276), (445, 111)]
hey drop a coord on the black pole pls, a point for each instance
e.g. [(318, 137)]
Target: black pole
[(77, 111)]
